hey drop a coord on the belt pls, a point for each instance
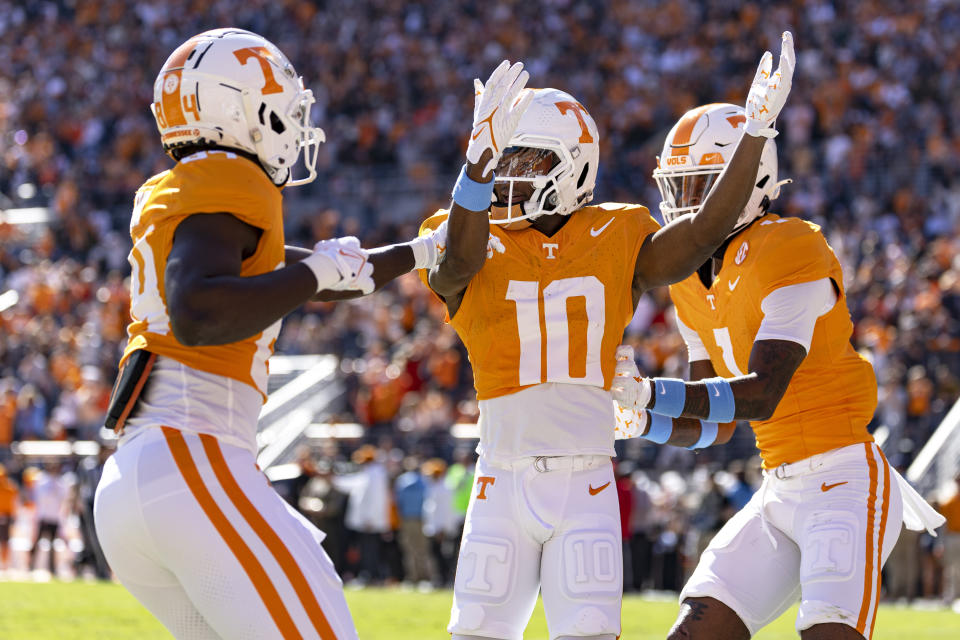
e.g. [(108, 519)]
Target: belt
[(806, 465), (544, 464)]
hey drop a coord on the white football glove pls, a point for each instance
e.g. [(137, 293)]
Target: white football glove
[(341, 264), (630, 423), (768, 92), (628, 388), (494, 244), (498, 106)]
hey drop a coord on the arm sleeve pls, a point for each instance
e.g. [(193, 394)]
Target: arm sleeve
[(695, 348), (791, 312)]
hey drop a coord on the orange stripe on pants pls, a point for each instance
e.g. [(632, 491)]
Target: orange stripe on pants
[(268, 536), (253, 568), (871, 520), (885, 509)]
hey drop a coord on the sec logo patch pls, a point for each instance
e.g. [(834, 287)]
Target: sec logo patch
[(741, 253), (170, 83)]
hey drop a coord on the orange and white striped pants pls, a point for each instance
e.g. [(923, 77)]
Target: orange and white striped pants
[(193, 529), (818, 530)]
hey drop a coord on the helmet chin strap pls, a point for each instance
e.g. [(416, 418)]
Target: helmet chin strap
[(539, 183)]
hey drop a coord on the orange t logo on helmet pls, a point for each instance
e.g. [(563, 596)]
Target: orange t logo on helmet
[(578, 110)]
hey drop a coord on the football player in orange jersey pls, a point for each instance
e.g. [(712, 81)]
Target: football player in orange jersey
[(768, 313), (186, 519), (540, 287)]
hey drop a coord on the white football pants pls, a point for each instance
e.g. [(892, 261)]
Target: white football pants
[(818, 530), (193, 529), (548, 524)]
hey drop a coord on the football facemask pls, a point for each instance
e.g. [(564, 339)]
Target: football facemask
[(521, 176), (685, 191)]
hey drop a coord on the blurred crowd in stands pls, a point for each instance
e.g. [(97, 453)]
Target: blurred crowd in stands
[(870, 136)]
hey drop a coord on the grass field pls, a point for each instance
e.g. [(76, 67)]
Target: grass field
[(64, 611)]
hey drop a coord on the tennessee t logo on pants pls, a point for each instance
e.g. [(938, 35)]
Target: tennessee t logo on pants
[(482, 482)]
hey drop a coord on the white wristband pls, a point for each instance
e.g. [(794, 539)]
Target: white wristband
[(424, 252), (323, 269)]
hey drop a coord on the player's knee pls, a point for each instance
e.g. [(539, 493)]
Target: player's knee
[(679, 631), (830, 631), (707, 619), (687, 629)]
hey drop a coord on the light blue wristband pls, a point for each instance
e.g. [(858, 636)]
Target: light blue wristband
[(471, 195), (661, 427), (722, 406), (708, 435), (670, 395)]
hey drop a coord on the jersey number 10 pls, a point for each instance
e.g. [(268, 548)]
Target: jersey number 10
[(571, 312)]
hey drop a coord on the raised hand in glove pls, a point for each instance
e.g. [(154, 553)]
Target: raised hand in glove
[(769, 90), (498, 106)]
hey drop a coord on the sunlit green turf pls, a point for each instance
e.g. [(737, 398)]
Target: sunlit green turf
[(64, 611)]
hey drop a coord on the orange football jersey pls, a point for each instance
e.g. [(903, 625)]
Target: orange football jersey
[(552, 309), (833, 394), (205, 182)]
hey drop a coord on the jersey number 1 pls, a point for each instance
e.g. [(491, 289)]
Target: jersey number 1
[(722, 336), (572, 313)]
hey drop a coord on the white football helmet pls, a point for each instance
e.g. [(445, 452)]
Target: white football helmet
[(233, 88), (556, 149), (697, 149)]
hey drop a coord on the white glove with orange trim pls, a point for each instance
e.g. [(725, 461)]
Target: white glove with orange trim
[(630, 423), (628, 388), (498, 106), (494, 245), (341, 264), (768, 92), (631, 393)]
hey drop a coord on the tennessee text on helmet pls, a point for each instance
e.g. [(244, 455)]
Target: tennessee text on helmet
[(235, 89)]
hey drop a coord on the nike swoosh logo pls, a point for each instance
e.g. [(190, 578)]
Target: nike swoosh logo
[(716, 392), (663, 389), (827, 487), (596, 232), (733, 284), (594, 492)]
